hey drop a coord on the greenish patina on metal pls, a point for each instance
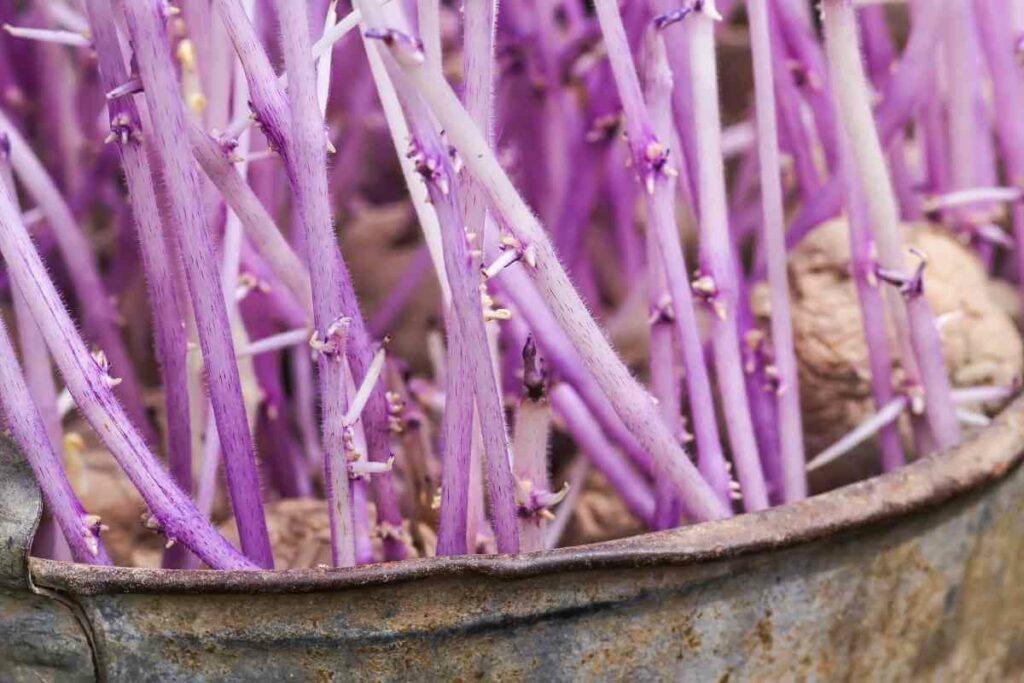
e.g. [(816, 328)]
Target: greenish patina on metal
[(916, 575)]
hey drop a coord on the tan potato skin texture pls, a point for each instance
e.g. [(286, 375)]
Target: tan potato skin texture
[(981, 344)]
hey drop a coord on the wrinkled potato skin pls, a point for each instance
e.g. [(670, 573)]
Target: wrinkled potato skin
[(981, 344)]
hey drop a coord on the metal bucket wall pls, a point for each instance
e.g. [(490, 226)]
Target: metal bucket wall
[(915, 575)]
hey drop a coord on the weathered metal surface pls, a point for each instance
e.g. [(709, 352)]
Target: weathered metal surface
[(20, 507), (40, 638), (915, 575)]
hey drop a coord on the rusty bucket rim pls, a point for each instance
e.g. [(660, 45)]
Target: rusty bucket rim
[(986, 457)]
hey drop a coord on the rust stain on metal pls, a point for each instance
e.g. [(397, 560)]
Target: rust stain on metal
[(764, 631), (917, 574)]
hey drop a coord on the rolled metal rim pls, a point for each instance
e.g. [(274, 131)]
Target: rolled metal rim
[(986, 457)]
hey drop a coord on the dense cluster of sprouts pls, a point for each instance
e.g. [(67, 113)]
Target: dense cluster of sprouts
[(568, 164)]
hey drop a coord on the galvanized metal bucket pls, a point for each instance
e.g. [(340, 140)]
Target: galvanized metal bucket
[(914, 575)]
